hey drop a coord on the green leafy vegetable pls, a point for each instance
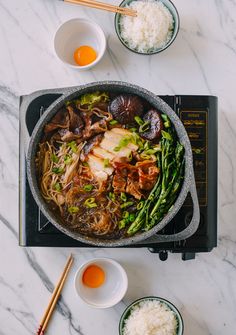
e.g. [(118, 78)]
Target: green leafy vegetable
[(165, 191)]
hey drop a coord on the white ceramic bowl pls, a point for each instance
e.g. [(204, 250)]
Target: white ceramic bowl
[(113, 289), (77, 32)]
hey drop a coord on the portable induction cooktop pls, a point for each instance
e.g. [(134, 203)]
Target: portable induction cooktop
[(199, 116)]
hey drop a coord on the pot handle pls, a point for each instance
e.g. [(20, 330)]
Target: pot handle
[(190, 229)]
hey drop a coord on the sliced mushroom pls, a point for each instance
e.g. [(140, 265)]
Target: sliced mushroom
[(154, 120), (125, 107)]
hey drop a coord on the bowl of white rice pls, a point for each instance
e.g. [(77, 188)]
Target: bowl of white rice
[(154, 28), (151, 316)]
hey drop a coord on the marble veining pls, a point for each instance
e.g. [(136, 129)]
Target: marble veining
[(201, 61)]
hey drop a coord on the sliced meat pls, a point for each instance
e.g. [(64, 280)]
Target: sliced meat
[(133, 186), (147, 172)]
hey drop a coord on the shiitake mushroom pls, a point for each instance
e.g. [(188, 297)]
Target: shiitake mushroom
[(125, 107), (154, 120)]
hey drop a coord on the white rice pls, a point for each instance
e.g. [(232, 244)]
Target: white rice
[(151, 29), (151, 317)]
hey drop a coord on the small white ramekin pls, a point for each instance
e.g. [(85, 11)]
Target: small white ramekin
[(110, 292), (75, 33)]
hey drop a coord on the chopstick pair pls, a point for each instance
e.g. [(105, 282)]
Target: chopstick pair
[(104, 6), (55, 295)]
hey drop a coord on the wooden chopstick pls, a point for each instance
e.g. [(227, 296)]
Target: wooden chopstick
[(55, 295), (104, 6)]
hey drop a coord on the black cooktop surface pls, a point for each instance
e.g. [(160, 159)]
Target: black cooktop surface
[(199, 116)]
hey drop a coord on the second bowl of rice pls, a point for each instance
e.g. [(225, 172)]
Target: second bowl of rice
[(151, 316), (153, 29)]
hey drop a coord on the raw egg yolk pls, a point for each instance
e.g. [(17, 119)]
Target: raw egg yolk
[(93, 276), (84, 55)]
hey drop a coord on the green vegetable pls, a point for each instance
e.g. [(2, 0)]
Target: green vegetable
[(92, 98), (106, 162), (165, 191), (67, 159), (57, 187), (166, 135), (123, 143), (133, 130), (73, 146), (113, 122), (122, 224), (144, 127), (54, 158), (125, 215), (73, 209), (90, 203), (138, 120), (58, 170), (88, 188), (167, 123), (112, 196), (126, 204), (140, 205), (85, 164), (123, 196)]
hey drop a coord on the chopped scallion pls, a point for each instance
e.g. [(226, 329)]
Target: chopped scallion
[(67, 159), (90, 203), (88, 188), (57, 187), (54, 158), (138, 120), (113, 122), (73, 209), (73, 146), (126, 204), (106, 162), (58, 170), (112, 196), (123, 196)]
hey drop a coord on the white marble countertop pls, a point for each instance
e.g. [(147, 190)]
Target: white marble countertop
[(201, 61)]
